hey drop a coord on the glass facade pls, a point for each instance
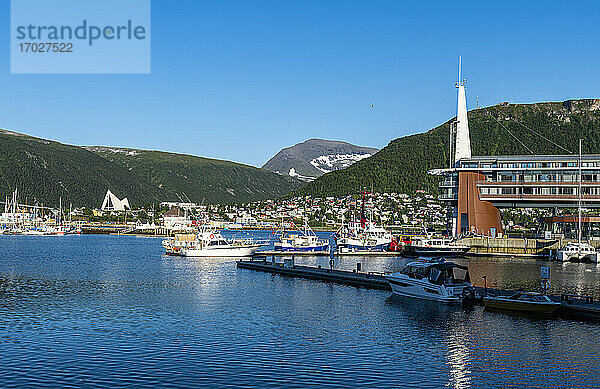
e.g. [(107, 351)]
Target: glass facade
[(529, 177)]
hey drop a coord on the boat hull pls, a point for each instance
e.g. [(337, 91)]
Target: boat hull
[(301, 249), (350, 248), (520, 306), (242, 251), (423, 290), (562, 256), (426, 251)]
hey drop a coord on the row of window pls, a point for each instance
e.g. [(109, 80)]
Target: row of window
[(539, 191), (542, 177), (529, 165)]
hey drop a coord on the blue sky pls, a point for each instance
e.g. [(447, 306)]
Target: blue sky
[(239, 80)]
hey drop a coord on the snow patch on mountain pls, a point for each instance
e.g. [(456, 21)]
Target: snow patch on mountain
[(115, 150), (329, 163)]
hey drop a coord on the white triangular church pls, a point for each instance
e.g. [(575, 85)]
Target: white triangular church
[(112, 203)]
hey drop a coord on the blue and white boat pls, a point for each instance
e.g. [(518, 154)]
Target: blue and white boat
[(306, 241)]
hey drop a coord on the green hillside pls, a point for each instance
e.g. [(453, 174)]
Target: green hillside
[(44, 171), (499, 130), (200, 179)]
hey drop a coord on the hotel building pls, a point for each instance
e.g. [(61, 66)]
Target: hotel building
[(475, 187)]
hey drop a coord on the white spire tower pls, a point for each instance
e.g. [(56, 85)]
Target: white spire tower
[(463, 141)]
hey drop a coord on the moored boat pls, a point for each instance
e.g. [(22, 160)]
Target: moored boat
[(522, 302), (431, 246), (209, 242), (580, 251), (366, 237), (306, 241), (577, 252), (436, 280)]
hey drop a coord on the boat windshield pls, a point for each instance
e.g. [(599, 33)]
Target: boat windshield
[(439, 274), (451, 274), (530, 297)]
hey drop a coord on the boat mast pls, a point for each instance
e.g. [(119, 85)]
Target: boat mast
[(579, 198)]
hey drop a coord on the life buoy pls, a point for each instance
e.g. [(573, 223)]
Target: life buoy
[(212, 236)]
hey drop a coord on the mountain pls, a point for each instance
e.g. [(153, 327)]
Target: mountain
[(44, 171), (504, 129), (315, 157), (200, 179)]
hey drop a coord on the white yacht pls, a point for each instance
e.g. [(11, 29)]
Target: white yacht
[(430, 246), (209, 242), (307, 241), (577, 252), (436, 280), (580, 251)]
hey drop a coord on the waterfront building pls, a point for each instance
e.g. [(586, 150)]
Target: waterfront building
[(474, 187)]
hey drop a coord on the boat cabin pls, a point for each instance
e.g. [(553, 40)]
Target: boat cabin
[(439, 273)]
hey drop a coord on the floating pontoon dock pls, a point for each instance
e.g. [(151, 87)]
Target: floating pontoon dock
[(365, 280), (326, 253), (572, 306)]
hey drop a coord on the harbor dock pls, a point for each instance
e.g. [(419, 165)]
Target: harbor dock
[(326, 253), (572, 306), (295, 253), (369, 280)]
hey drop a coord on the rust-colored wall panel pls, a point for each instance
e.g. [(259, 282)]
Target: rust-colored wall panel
[(482, 216)]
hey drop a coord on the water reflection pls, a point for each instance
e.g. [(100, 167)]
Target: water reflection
[(112, 311)]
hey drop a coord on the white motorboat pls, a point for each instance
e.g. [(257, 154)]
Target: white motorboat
[(307, 241), (577, 252), (436, 280), (209, 242), (430, 246)]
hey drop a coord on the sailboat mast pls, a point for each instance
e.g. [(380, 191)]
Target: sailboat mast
[(579, 198)]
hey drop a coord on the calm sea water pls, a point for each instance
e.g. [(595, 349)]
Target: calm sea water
[(112, 311)]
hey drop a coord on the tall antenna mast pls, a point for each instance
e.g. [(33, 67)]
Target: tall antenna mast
[(459, 69)]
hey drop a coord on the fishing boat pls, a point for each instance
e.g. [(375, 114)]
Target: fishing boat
[(435, 280), (306, 241), (363, 237), (522, 302), (209, 242), (432, 246)]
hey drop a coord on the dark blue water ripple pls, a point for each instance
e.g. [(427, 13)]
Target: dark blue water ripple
[(113, 312)]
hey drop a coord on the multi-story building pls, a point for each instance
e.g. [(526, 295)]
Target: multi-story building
[(475, 187)]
